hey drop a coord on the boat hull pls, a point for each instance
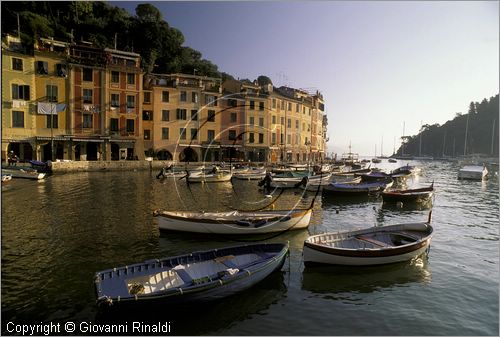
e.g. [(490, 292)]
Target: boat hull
[(472, 173), (25, 174), (279, 221), (372, 246), (209, 178), (164, 282)]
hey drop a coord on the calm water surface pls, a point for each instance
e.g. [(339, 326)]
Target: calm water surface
[(57, 233)]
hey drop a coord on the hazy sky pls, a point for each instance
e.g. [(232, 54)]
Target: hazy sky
[(379, 64)]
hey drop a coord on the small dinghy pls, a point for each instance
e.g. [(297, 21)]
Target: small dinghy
[(200, 177), (371, 246), (357, 188), (234, 222), (199, 276), (409, 195)]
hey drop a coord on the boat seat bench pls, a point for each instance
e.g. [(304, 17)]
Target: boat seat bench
[(372, 240)]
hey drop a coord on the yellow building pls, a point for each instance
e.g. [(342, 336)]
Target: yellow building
[(51, 100), (186, 118), (18, 92)]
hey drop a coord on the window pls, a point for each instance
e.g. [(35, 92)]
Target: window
[(297, 108), (273, 139), (17, 119), (147, 134), (289, 139), (42, 67), (181, 114), (233, 117), (182, 133), (282, 105), (304, 110), (51, 91), (232, 102), (303, 126), (130, 101), (130, 78), (232, 134), (194, 115), (164, 133), (87, 74), (113, 124), (289, 106), (115, 100), (52, 121), (87, 95), (61, 70), (210, 100), (210, 135), (147, 115), (274, 119), (130, 125), (309, 111), (252, 121), (87, 121), (274, 103), (194, 134), (261, 138), (297, 124), (165, 96), (289, 124), (17, 64), (261, 121), (115, 77), (261, 106), (194, 97), (211, 116), (147, 97), (183, 96), (282, 138), (21, 92), (252, 105), (251, 138), (165, 115), (308, 127), (282, 120)]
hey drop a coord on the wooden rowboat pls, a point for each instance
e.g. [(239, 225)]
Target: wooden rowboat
[(357, 188), (199, 276), (409, 195), (26, 173), (200, 177), (371, 246), (233, 222)]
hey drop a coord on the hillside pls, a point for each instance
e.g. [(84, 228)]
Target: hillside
[(448, 140), (104, 25)]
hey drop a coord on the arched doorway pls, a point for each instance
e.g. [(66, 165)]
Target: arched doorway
[(164, 155), (188, 154)]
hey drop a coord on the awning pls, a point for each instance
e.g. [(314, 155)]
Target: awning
[(50, 138), (211, 146), (189, 145), (122, 140), (235, 145), (88, 140)]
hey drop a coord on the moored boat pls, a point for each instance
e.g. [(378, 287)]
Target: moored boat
[(200, 177), (233, 222), (409, 195), (473, 172), (25, 173), (371, 246), (357, 188), (198, 276), (251, 174)]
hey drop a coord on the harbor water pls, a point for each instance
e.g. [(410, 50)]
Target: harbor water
[(58, 232)]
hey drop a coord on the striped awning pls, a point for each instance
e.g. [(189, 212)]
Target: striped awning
[(50, 138), (122, 140)]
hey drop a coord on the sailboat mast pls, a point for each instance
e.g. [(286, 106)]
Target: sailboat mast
[(466, 129), (493, 136)]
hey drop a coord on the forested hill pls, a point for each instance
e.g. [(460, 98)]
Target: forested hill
[(449, 139), (99, 22)]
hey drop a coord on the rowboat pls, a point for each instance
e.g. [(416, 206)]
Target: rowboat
[(251, 174), (196, 277), (392, 160), (313, 185), (409, 195), (407, 169), (201, 177), (357, 188), (233, 222), (371, 246), (374, 176), (26, 173), (473, 172)]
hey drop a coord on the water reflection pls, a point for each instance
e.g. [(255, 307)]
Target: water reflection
[(204, 318), (337, 280)]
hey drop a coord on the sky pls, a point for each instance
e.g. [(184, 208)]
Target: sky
[(383, 67)]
